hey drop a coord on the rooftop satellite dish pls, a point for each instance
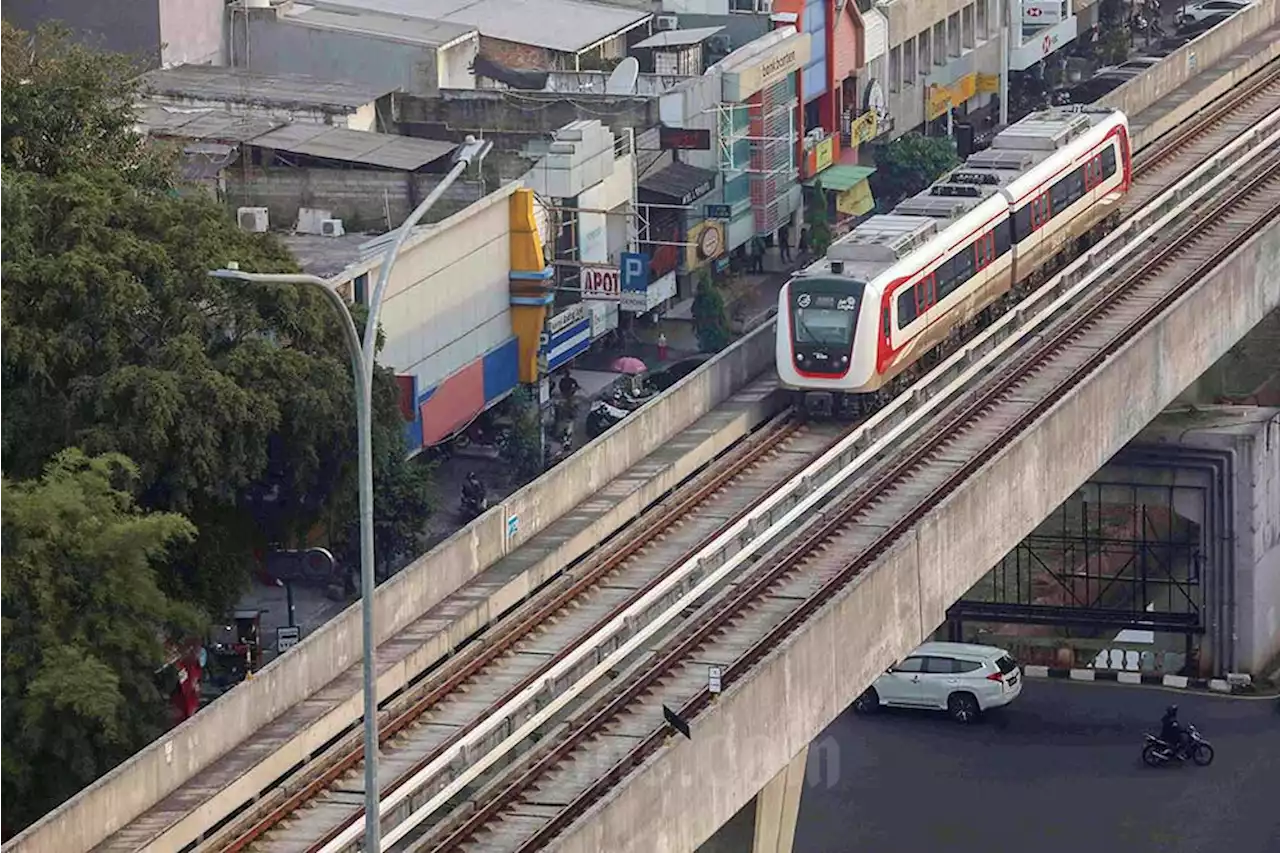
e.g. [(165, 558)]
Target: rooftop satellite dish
[(623, 79)]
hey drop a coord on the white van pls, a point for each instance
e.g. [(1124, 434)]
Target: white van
[(962, 679)]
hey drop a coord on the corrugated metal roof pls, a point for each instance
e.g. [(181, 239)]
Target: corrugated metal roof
[(565, 26), (415, 30), (235, 85), (389, 151), (207, 124), (679, 38)]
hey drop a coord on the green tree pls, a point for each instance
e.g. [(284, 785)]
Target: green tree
[(84, 624), (910, 163), (235, 401), (525, 452), (819, 221), (710, 317)]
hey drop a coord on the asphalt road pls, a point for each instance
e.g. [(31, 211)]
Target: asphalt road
[(1060, 770)]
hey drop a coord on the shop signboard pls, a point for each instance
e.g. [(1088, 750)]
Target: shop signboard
[(937, 100), (600, 282), (821, 156), (744, 77), (684, 139), (638, 302), (964, 89), (706, 243), (864, 128), (1042, 44), (988, 84), (1042, 13), (568, 335)]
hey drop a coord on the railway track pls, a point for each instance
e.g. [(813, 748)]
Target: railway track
[(447, 722), (433, 733), (599, 747), (1207, 132)]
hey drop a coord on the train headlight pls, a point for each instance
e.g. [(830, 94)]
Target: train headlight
[(800, 357), (844, 359)]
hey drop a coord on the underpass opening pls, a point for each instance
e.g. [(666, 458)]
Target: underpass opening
[(1115, 578)]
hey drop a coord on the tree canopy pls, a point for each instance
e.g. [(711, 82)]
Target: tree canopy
[(234, 400), (910, 163), (84, 626)]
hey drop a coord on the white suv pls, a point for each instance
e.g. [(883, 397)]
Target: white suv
[(962, 679)]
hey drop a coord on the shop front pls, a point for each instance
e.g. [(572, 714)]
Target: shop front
[(672, 204), (758, 134), (1047, 27), (845, 191)]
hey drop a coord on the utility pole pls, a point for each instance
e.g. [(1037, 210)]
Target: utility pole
[(1006, 57)]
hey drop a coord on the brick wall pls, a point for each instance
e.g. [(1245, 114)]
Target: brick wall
[(362, 199), (515, 55)]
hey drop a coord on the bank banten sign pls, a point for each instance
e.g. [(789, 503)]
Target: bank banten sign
[(749, 75)]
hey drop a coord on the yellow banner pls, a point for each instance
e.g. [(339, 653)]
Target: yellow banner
[(988, 84), (964, 88), (824, 154), (864, 128), (856, 200), (937, 101)]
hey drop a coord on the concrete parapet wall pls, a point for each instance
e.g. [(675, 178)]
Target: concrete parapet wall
[(753, 729), (1186, 62), (159, 769)]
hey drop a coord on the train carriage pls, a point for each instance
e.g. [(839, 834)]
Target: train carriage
[(902, 283)]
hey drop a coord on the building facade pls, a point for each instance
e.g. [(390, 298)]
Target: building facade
[(447, 317), (162, 32), (414, 55)]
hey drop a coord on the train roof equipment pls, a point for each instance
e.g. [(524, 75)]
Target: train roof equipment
[(884, 239)]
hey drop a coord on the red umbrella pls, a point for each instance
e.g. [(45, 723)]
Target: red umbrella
[(629, 364)]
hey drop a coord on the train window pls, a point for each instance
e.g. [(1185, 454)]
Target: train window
[(946, 279), (984, 250), (1068, 190), (925, 296), (1022, 224), (1108, 161), (1040, 211), (1003, 234), (1096, 165), (961, 268), (906, 307)]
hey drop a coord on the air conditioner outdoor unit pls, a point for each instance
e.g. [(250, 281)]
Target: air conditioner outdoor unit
[(668, 22), (331, 227), (253, 219)]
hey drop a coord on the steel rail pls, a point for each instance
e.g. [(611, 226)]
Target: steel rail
[(1197, 126), (684, 500), (1265, 180), (1194, 185), (780, 428)]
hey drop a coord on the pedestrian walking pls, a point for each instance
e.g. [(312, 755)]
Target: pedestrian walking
[(784, 244), (662, 346), (757, 254)]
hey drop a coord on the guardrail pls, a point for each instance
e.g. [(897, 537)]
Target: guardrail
[(795, 502)]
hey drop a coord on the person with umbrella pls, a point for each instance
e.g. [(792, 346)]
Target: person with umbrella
[(629, 365)]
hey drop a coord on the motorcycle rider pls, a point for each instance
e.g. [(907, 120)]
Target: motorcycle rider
[(473, 491), (1171, 731)]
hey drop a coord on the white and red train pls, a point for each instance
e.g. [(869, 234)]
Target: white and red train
[(900, 284)]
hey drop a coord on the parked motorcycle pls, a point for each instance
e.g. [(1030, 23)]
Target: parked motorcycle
[(1157, 753), (602, 416)]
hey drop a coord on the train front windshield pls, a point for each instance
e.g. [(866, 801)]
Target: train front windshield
[(826, 320)]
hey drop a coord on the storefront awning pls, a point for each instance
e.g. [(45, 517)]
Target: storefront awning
[(839, 178), (677, 183)]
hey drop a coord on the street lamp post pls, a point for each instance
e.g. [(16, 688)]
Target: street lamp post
[(362, 363)]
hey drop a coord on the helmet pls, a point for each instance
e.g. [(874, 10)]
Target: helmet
[(1171, 711)]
